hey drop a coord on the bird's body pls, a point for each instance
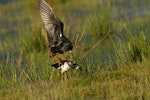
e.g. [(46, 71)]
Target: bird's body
[(64, 46), (65, 66), (58, 43)]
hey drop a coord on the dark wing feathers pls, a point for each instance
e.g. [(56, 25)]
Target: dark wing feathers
[(56, 65), (53, 26)]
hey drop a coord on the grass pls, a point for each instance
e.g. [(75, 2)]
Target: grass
[(114, 67), (127, 82)]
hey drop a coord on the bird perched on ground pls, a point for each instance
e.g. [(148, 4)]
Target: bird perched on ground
[(58, 43), (64, 67)]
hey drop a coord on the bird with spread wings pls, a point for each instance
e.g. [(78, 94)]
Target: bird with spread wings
[(58, 43)]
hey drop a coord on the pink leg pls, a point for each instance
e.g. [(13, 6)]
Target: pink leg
[(60, 56), (58, 61)]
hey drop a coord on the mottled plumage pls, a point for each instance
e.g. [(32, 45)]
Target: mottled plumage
[(54, 28)]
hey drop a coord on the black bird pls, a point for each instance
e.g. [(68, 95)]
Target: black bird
[(58, 43)]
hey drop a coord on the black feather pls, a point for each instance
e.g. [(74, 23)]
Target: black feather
[(54, 28), (56, 65)]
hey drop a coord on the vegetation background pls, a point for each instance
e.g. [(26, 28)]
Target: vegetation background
[(111, 44)]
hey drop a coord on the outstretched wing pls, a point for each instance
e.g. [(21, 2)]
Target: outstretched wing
[(53, 26)]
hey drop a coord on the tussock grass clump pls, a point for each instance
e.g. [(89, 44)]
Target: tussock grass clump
[(138, 46)]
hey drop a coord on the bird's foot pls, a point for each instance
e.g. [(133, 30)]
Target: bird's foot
[(61, 57), (51, 55), (59, 63), (66, 59)]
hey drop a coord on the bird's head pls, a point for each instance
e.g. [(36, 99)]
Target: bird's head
[(72, 65)]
